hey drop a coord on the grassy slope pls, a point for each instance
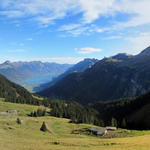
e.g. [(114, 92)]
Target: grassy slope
[(27, 136)]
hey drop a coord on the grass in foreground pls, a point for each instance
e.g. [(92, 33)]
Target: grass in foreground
[(28, 136)]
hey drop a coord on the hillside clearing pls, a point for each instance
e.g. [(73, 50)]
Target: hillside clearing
[(28, 136)]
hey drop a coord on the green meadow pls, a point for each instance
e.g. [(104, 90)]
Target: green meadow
[(27, 136)]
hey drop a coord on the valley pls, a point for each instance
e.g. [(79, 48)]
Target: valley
[(74, 75), (69, 122), (32, 73)]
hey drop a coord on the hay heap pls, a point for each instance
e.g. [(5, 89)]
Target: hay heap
[(45, 127)]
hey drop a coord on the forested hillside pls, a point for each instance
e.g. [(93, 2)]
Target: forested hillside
[(128, 113), (112, 78), (14, 93), (131, 113)]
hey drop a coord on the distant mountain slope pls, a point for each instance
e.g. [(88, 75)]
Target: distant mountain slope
[(111, 78), (79, 67), (34, 72)]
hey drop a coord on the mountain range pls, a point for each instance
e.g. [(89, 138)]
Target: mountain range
[(111, 78), (130, 113), (32, 73), (79, 67)]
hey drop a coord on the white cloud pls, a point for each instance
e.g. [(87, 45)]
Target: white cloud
[(88, 50), (93, 9), (99, 30), (5, 3), (46, 11), (12, 13), (139, 10), (113, 37), (17, 51), (43, 11), (138, 13), (61, 60), (77, 29), (69, 27), (70, 60), (139, 42), (29, 39)]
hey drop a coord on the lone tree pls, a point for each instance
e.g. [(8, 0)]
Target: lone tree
[(18, 121), (123, 123), (44, 127), (113, 122)]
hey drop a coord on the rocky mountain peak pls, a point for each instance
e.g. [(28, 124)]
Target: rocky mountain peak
[(145, 52), (7, 62)]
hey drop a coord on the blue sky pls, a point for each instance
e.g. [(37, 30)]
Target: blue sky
[(66, 31)]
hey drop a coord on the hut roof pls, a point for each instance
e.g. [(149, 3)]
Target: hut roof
[(111, 128), (98, 131), (12, 111)]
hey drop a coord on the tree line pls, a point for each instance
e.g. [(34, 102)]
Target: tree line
[(122, 113)]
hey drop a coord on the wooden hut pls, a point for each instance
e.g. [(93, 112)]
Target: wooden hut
[(98, 131)]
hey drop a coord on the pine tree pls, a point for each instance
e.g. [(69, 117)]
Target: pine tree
[(35, 114), (123, 123), (44, 127), (18, 121), (113, 122)]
